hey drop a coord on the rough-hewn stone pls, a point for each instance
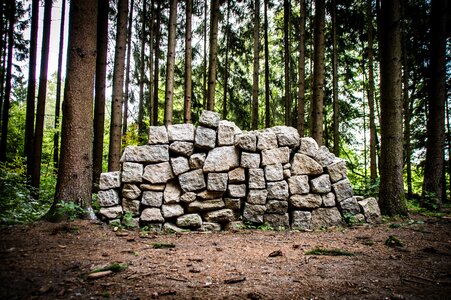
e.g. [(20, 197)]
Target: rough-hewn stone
[(130, 206), (169, 227), (179, 165), (246, 141), (301, 220), (188, 197), (274, 172), (287, 136), (197, 160), (189, 220), (226, 133), (233, 203), (337, 170), (237, 175), (192, 181), (158, 135), (146, 153), (371, 210), (152, 198), (326, 217), (277, 221), (112, 212), (152, 187), (131, 191), (305, 165), (254, 213), (250, 160), (108, 198), (256, 179), (275, 156), (237, 190), (257, 197), (181, 132), (328, 199), (308, 146), (277, 207), (158, 173), (219, 216), (207, 195), (172, 192), (343, 190), (278, 190), (206, 205), (132, 172), (307, 201), (320, 184), (266, 140), (324, 157), (110, 180), (209, 226), (182, 148), (222, 159), (349, 206), (171, 210), (152, 215), (217, 182), (298, 184), (205, 138)]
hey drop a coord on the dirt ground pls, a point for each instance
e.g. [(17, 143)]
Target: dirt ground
[(53, 261)]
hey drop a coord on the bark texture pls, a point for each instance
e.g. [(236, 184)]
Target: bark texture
[(256, 70), (301, 71), (170, 65), (213, 54), (188, 62)]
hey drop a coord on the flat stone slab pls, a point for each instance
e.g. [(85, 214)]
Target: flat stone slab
[(209, 119), (110, 180), (158, 173), (181, 132), (192, 181), (222, 159), (146, 153), (158, 135)]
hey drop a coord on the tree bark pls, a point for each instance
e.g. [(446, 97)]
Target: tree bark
[(226, 70), (256, 70), (392, 201), (301, 70), (118, 88), (151, 45), (287, 57), (267, 91), (157, 66), (373, 154), (100, 80), (127, 69), (204, 75), (213, 54), (188, 62), (170, 65), (141, 125), (336, 104)]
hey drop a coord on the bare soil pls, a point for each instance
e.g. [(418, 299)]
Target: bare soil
[(52, 261)]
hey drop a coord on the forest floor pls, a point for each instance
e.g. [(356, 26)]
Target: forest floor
[(53, 261)]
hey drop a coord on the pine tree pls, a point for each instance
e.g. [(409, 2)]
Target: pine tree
[(169, 90)]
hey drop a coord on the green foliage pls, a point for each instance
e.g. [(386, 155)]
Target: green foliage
[(328, 252), (393, 241), (70, 210), (163, 246), (127, 220), (114, 267), (350, 219)]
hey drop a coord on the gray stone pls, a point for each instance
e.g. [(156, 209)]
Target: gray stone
[(277, 207), (287, 166), (254, 213), (146, 154), (233, 203), (266, 140), (286, 136), (359, 198), (234, 226), (172, 210), (301, 220), (246, 141), (209, 119), (192, 181), (205, 138), (257, 197), (299, 184), (158, 135), (250, 160), (274, 172), (286, 174), (307, 201), (275, 156), (237, 175), (179, 165), (343, 189), (337, 170), (219, 216), (189, 220), (108, 198), (371, 210), (158, 173), (326, 217), (152, 187), (324, 157), (172, 228), (222, 159), (359, 218), (278, 190), (217, 182), (131, 191), (320, 184), (110, 180), (152, 215), (172, 193), (349, 206), (182, 148), (237, 190), (112, 212), (152, 198), (209, 226), (132, 172), (305, 165), (197, 160), (208, 195), (277, 221), (206, 205), (226, 133), (181, 132), (188, 197), (328, 199), (130, 206), (256, 179), (308, 146)]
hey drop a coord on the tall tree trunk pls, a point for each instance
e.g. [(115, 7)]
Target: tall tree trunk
[(141, 125), (169, 90), (213, 54), (287, 58), (58, 89), (75, 173), (373, 154), (31, 90), (433, 171), (256, 65), (6, 103), (204, 75), (151, 45), (188, 62), (391, 201), (301, 70), (127, 69), (100, 81), (267, 91), (318, 73), (157, 66), (118, 88), (42, 94), (335, 81), (449, 147), (226, 70)]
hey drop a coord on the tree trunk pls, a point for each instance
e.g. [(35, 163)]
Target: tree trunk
[(100, 80), (392, 201), (318, 73), (127, 69), (204, 75), (7, 100), (42, 94), (287, 57), (433, 172), (335, 81), (449, 147), (151, 45), (75, 173), (226, 70), (118, 88), (254, 125), (213, 54), (58, 89), (141, 125), (301, 71), (169, 90), (267, 91), (157, 67), (373, 154), (31, 90), (188, 62)]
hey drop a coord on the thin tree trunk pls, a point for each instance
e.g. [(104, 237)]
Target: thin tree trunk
[(100, 81), (373, 153), (188, 62), (157, 67), (256, 65), (449, 146), (301, 70), (213, 54), (151, 45), (127, 69), (204, 75), (141, 125), (42, 94), (267, 91), (169, 90), (226, 69), (118, 88), (287, 57), (58, 89), (335, 81), (318, 73)]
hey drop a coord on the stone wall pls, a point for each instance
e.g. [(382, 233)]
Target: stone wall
[(210, 177)]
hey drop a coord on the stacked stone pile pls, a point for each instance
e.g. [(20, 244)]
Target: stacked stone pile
[(209, 177)]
